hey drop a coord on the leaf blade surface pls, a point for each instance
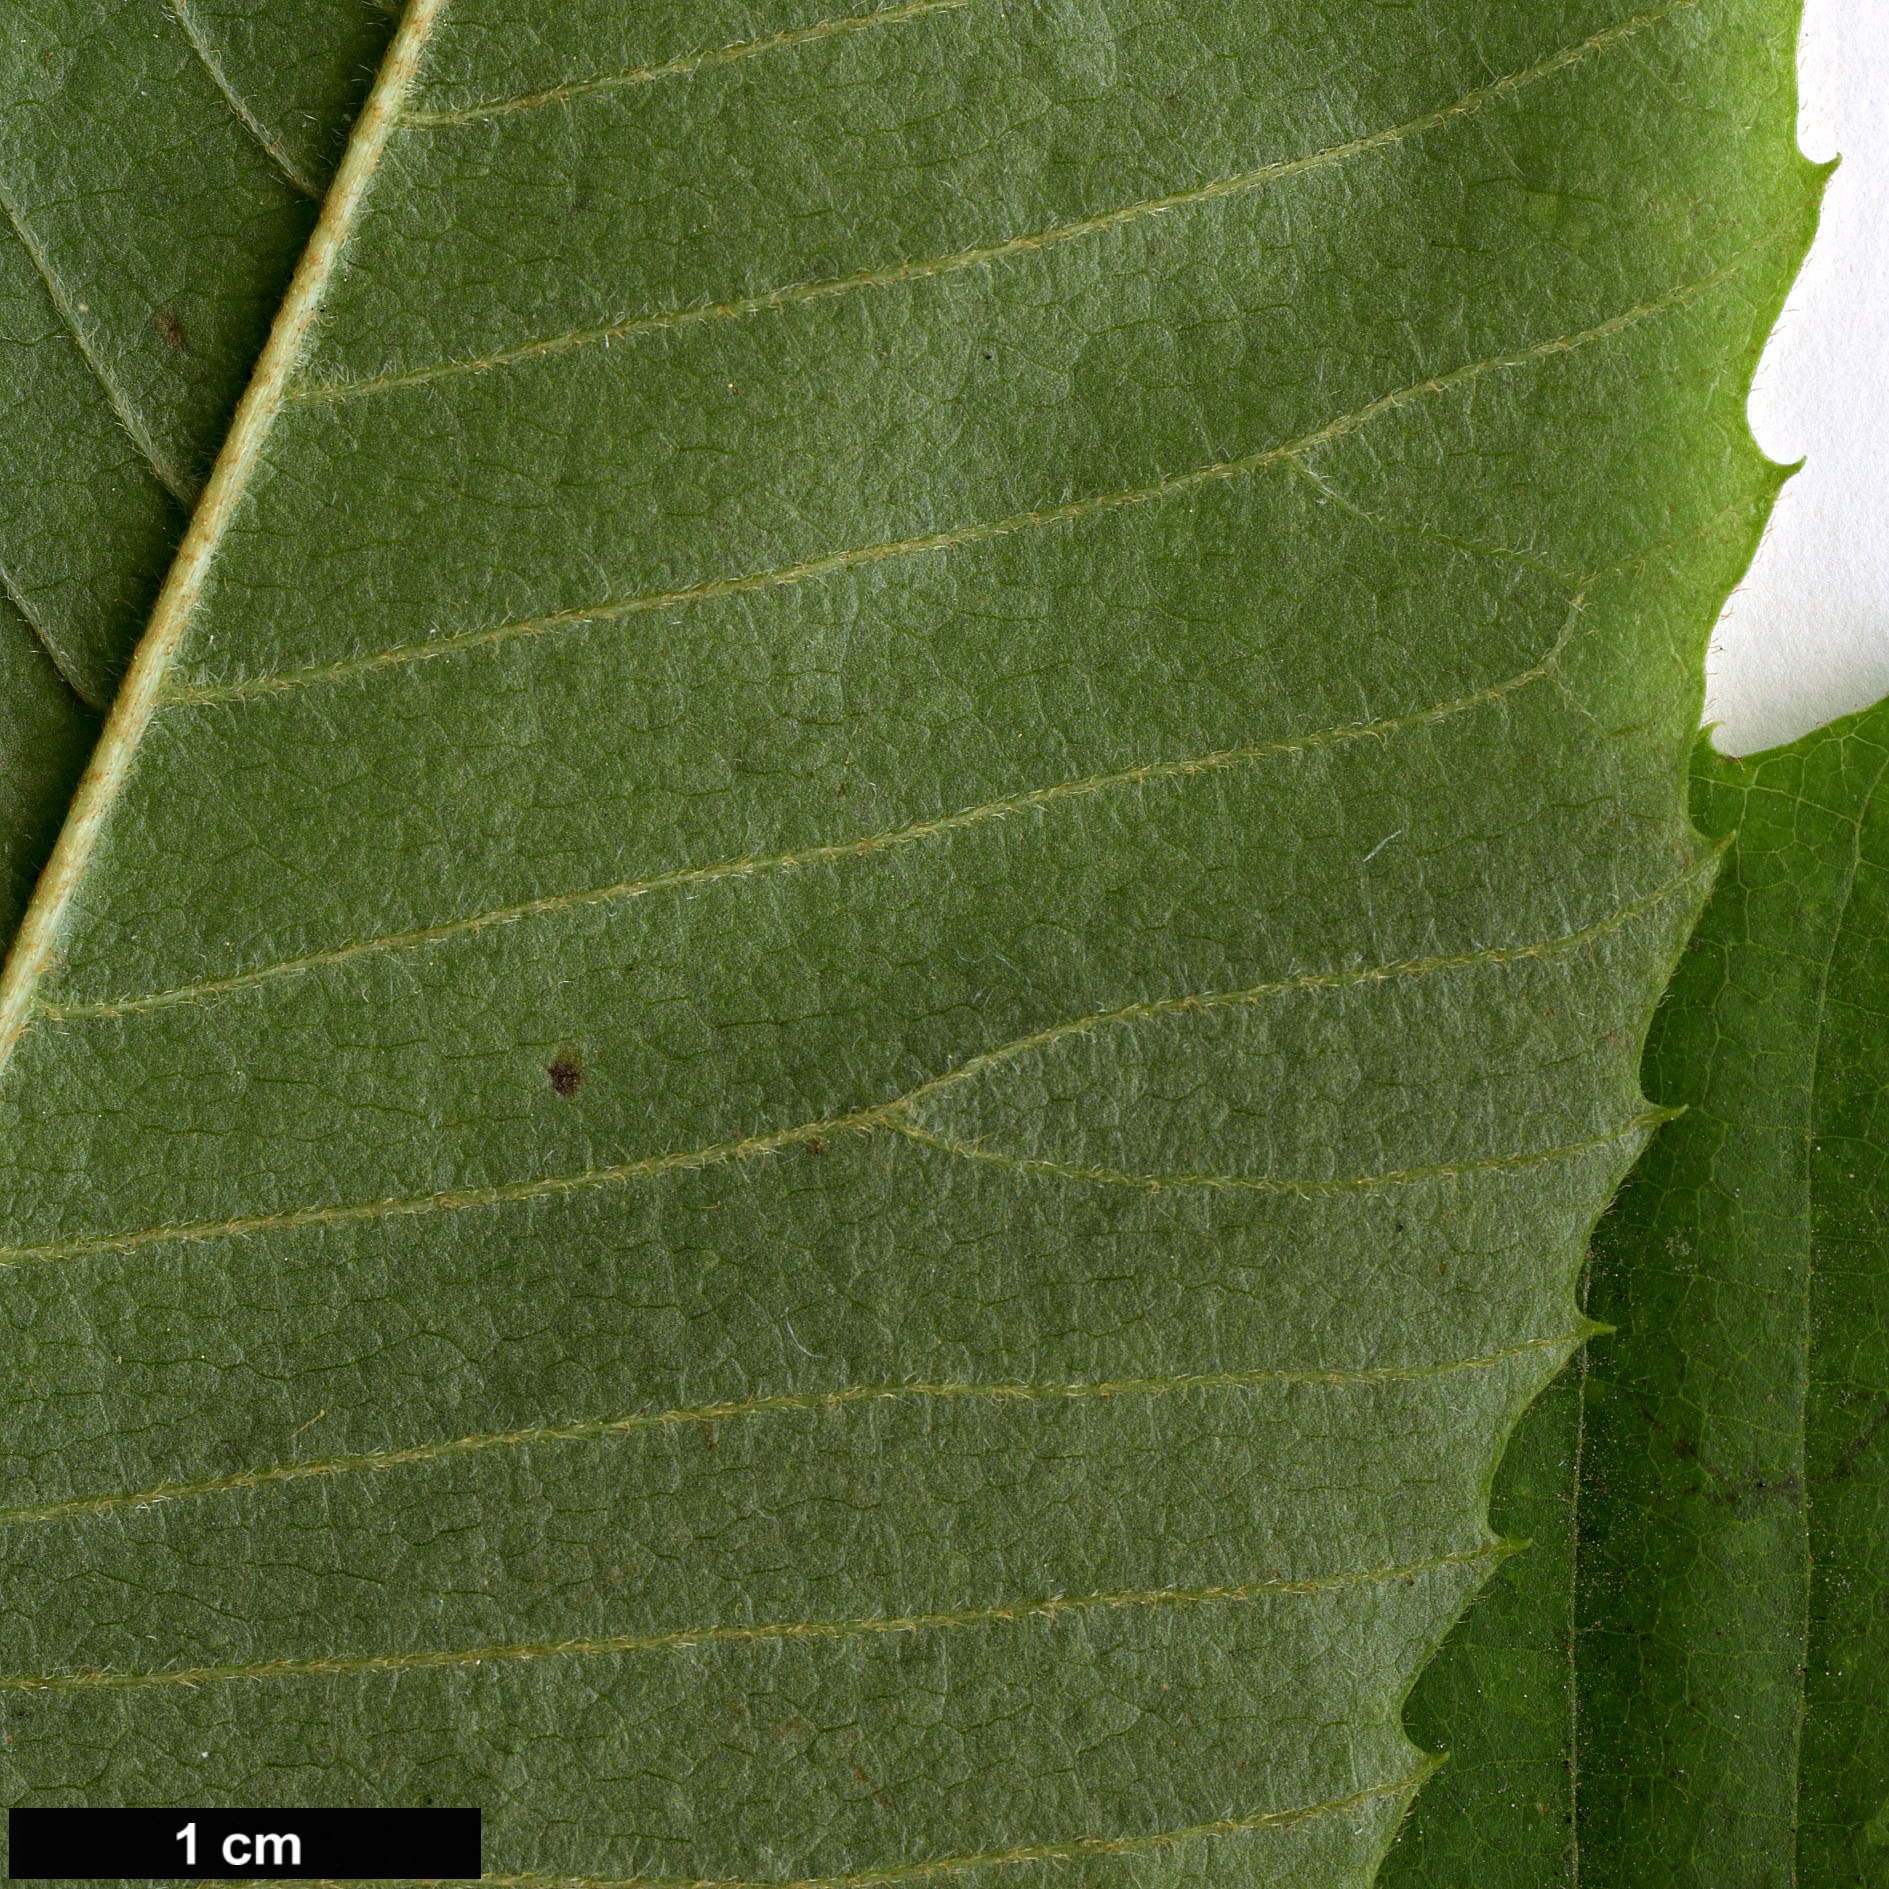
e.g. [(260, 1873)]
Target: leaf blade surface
[(1086, 1129)]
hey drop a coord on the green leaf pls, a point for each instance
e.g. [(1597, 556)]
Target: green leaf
[(1501, 1696), (159, 172), (1721, 1563), (828, 1036), (1740, 1431)]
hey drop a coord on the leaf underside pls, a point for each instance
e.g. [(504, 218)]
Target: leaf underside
[(844, 1037)]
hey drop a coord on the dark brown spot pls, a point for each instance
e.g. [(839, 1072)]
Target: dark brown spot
[(565, 1071), (171, 329), (816, 1147)]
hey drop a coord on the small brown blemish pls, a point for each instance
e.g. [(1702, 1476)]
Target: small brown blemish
[(565, 1071), (171, 329), (816, 1147)]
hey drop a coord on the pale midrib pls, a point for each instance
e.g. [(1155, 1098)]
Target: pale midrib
[(36, 944), (986, 254), (206, 55), (1072, 1849), (898, 1116), (682, 66), (798, 1403), (129, 419), (960, 537), (768, 1633), (1814, 1086), (834, 853)]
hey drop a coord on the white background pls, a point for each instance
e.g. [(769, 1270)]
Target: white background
[(1806, 637)]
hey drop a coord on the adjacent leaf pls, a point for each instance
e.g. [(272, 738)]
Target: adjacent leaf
[(1724, 1610), (1733, 1605), (1501, 1696), (827, 1039), (159, 168)]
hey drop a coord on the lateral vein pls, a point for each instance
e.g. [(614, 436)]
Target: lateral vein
[(18, 598), (603, 1429), (687, 63), (986, 254), (772, 1632), (136, 429), (895, 1115), (1296, 1188), (1071, 1850), (188, 24), (1094, 505), (801, 859)]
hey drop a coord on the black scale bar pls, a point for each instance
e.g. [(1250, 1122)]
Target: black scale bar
[(349, 1845)]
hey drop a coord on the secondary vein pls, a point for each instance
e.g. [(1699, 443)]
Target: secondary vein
[(838, 852), (986, 254), (188, 24), (680, 67), (743, 1409), (898, 1115), (1096, 504), (1072, 1849), (773, 1632), (17, 597), (66, 307)]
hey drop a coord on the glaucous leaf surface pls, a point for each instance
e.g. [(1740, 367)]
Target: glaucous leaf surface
[(828, 1036), (160, 165), (1714, 1488)]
